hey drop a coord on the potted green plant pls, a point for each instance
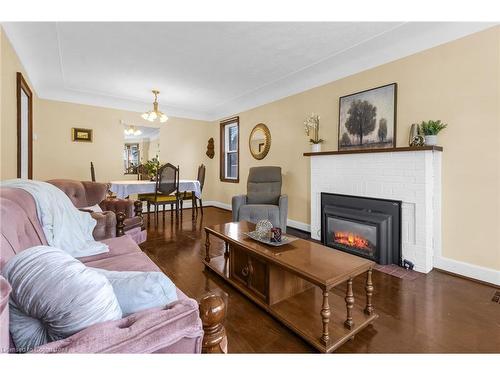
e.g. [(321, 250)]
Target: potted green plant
[(311, 126), (430, 129), (152, 167)]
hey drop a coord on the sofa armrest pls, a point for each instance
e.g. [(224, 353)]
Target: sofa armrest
[(106, 225), (127, 206), (283, 205), (236, 203), (148, 331)]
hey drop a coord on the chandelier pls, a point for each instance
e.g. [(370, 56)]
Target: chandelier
[(131, 130), (155, 113)]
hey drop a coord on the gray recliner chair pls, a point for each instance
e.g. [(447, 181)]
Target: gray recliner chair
[(263, 199)]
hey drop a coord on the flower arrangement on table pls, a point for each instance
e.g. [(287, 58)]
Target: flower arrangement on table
[(152, 167)]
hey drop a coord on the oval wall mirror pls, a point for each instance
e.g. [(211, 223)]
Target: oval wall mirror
[(260, 141)]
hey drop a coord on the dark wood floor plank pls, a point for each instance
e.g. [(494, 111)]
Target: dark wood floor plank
[(437, 313)]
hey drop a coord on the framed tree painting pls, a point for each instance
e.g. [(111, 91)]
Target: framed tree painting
[(367, 119)]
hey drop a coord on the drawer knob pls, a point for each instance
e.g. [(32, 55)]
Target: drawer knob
[(245, 271)]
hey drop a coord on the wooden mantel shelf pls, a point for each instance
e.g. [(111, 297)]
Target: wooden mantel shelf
[(368, 151)]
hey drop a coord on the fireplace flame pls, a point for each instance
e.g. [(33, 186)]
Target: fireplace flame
[(352, 240)]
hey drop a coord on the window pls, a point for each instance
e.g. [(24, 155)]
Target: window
[(131, 158), (230, 150)]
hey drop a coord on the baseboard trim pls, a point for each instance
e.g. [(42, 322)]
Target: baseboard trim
[(224, 206), (299, 225), (488, 275)]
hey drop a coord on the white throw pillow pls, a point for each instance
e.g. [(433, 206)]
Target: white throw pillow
[(94, 208), (54, 296), (137, 291)]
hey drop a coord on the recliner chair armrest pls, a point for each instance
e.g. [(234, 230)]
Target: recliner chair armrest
[(283, 205), (236, 203)]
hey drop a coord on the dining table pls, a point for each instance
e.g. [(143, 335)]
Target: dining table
[(124, 188)]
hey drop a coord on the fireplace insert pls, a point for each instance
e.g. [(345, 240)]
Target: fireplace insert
[(367, 227)]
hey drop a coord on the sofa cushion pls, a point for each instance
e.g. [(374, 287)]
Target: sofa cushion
[(117, 246), (256, 212), (137, 291), (136, 261), (54, 296), (4, 315)]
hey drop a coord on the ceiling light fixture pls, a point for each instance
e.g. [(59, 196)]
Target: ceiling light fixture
[(155, 113), (131, 130)]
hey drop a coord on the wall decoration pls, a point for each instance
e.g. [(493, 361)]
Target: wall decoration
[(81, 135), (259, 141), (367, 119), (211, 148), (415, 139), (311, 125), (430, 129)]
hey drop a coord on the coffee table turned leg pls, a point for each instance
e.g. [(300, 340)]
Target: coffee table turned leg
[(226, 249), (349, 303), (369, 293), (207, 247), (325, 316)]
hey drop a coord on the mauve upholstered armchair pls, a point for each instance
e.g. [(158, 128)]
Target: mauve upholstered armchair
[(263, 199), (119, 216)]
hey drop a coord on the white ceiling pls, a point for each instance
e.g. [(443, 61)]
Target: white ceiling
[(208, 70)]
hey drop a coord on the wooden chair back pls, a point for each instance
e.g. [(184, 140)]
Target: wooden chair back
[(201, 175), (142, 173), (167, 180)]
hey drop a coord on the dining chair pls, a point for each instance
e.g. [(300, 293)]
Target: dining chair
[(92, 172), (166, 190), (190, 194), (142, 174)]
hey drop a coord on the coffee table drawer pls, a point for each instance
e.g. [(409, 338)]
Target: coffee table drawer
[(250, 272)]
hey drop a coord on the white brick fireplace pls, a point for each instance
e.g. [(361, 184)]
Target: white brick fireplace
[(413, 177)]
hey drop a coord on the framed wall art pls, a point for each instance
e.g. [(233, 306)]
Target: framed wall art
[(367, 119), (81, 135)]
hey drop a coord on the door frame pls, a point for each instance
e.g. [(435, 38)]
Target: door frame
[(22, 86)]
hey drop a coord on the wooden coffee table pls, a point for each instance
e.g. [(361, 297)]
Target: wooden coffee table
[(293, 282)]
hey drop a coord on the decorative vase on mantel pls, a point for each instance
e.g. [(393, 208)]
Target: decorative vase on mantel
[(430, 129), (315, 147), (311, 126), (431, 140)]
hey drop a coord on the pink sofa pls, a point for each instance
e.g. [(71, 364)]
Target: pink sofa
[(176, 328)]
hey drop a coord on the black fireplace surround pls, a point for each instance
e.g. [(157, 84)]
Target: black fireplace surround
[(367, 227)]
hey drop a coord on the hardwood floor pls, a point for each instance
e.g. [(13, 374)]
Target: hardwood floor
[(437, 313)]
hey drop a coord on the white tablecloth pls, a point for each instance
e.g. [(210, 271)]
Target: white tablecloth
[(124, 188)]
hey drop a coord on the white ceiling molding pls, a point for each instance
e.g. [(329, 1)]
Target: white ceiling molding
[(209, 70)]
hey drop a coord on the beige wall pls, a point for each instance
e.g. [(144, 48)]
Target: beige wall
[(57, 156), (183, 142), (9, 66), (459, 83)]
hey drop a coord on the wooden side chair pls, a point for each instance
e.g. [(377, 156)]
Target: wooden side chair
[(166, 191), (142, 174), (110, 194), (190, 195), (92, 172)]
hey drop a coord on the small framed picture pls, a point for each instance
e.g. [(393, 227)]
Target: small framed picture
[(367, 119), (81, 135)]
